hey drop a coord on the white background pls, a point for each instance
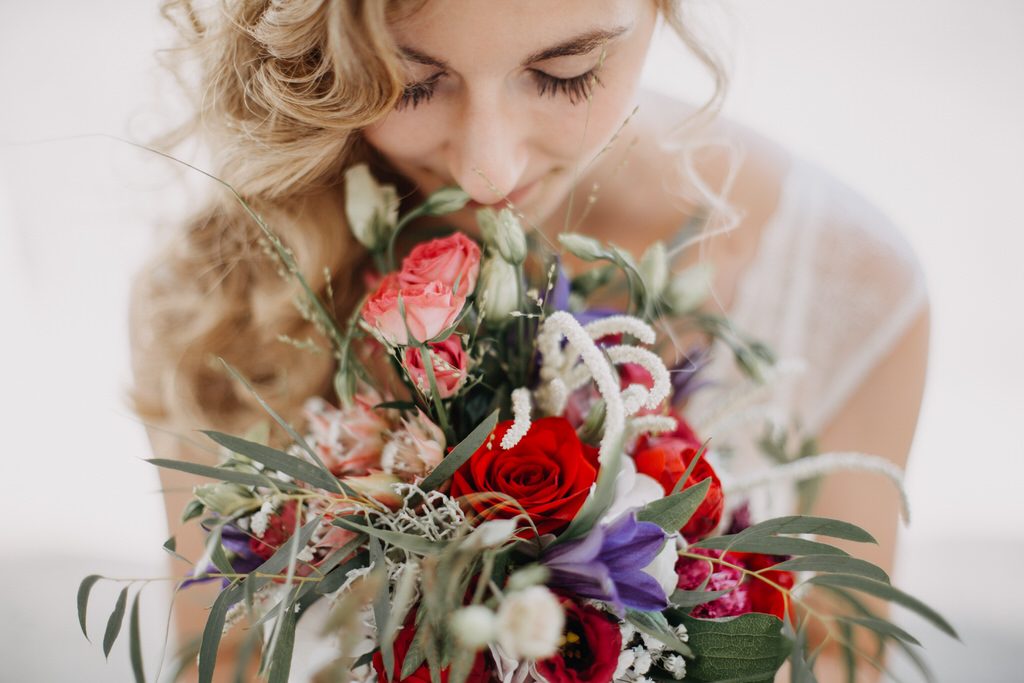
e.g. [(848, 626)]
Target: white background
[(916, 104)]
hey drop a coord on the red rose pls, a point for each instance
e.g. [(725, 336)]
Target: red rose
[(548, 473), (590, 651), (478, 674), (666, 458)]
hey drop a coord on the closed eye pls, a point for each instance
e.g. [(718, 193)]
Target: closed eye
[(577, 88)]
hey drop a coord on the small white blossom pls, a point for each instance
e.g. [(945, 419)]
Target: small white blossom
[(653, 645), (530, 623), (474, 626), (261, 519), (626, 658), (681, 633), (641, 660), (675, 665)]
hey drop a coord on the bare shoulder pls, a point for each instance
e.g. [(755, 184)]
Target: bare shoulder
[(647, 187)]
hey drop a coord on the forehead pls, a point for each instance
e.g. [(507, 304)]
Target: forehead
[(477, 34)]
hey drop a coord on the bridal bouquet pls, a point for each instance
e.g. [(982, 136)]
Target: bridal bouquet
[(508, 488)]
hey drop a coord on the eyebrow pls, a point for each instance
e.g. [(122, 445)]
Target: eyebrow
[(579, 45)]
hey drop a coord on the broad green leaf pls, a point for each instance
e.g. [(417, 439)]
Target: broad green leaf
[(800, 671), (747, 647), (223, 474), (135, 642), (834, 564), (84, 589), (693, 598), (396, 405), (672, 513), (769, 545), (803, 524), (408, 542), (600, 499), (460, 454), (655, 625), (213, 631), (278, 460), (252, 638), (886, 592), (881, 627), (115, 621)]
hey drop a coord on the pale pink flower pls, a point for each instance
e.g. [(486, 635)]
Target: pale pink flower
[(430, 308), (450, 260), (349, 440), (414, 449)]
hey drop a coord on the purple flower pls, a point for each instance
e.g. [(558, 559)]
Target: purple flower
[(686, 375), (243, 560), (608, 564)]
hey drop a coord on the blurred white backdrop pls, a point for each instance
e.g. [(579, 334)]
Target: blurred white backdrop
[(916, 104)]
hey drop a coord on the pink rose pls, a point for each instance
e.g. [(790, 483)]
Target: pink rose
[(430, 308), (449, 363), (448, 260)]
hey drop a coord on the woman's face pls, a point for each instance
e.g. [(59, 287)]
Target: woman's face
[(512, 99)]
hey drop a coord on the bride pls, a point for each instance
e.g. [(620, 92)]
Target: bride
[(533, 105)]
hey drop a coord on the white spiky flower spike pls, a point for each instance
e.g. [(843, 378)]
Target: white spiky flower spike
[(818, 465), (520, 418)]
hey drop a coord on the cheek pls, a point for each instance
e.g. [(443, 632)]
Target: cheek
[(403, 137)]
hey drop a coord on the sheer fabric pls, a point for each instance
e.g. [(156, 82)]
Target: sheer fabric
[(832, 288)]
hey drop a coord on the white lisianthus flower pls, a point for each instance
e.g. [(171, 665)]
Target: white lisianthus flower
[(633, 490), (663, 567), (474, 626), (530, 623), (371, 208), (496, 289)]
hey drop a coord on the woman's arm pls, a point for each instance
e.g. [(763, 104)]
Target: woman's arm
[(879, 418)]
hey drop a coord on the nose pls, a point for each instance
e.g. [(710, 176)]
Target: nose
[(486, 152)]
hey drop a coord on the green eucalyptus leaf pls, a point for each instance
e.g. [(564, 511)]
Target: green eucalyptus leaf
[(681, 482), (672, 513), (382, 610), (460, 454), (882, 627), (84, 589), (833, 564), (115, 621), (656, 625), (194, 508), (213, 631), (748, 647), (336, 578), (886, 592), (135, 642), (415, 655), (805, 524), (769, 545), (281, 659), (917, 660), (278, 460), (223, 474)]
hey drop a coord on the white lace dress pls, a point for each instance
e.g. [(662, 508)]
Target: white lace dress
[(832, 287)]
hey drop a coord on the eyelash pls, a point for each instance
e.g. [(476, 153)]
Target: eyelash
[(577, 88)]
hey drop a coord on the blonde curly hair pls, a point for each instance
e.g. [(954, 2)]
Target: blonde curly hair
[(280, 91)]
